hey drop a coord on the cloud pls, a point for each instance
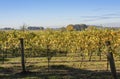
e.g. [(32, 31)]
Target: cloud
[(89, 17), (101, 17), (112, 14), (98, 9)]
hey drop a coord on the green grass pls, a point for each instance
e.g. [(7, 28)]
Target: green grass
[(60, 68)]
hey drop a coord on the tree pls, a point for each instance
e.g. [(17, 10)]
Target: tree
[(23, 27), (63, 29), (80, 26), (76, 27), (70, 27)]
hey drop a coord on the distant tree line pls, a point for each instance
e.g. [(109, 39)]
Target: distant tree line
[(70, 27), (35, 28), (76, 27), (7, 28)]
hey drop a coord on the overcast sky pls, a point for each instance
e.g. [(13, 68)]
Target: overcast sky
[(57, 13)]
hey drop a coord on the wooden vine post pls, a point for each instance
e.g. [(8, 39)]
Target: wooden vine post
[(110, 59), (48, 57), (3, 57), (22, 55)]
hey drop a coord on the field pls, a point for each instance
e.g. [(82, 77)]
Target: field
[(59, 54), (60, 68)]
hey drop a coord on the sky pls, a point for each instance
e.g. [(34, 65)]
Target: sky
[(58, 13)]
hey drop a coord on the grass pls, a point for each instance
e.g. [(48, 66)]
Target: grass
[(60, 68)]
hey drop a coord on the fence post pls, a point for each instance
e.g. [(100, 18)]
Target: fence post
[(48, 57), (3, 58), (111, 60), (22, 55), (6, 50)]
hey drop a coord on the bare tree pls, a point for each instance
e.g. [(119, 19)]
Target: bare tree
[(23, 27)]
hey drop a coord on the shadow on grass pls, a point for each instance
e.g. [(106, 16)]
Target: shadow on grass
[(55, 72), (1, 59)]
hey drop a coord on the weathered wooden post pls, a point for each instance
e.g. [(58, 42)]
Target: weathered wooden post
[(3, 58), (2, 54), (6, 50), (111, 59), (48, 57), (22, 55)]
